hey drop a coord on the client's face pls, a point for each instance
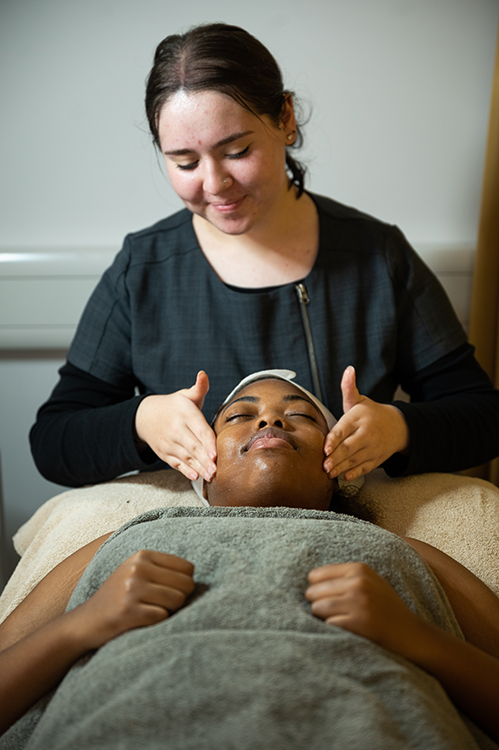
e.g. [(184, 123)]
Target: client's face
[(270, 444)]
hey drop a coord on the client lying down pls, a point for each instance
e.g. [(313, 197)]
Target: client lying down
[(263, 621)]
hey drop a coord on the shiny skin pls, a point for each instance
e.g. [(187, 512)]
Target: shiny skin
[(270, 443)]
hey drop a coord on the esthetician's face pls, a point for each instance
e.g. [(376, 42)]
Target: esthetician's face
[(224, 162), (270, 446)]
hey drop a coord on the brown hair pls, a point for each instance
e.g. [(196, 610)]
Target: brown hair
[(223, 58)]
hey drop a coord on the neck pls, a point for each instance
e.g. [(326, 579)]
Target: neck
[(282, 248)]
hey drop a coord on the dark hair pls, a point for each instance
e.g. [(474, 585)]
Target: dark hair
[(224, 58)]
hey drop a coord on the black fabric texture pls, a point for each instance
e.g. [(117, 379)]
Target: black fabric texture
[(160, 314)]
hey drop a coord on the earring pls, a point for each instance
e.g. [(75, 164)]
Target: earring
[(291, 135), (225, 182)]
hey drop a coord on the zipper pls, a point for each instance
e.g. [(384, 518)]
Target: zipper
[(304, 300)]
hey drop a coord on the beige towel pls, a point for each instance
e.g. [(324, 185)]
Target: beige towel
[(459, 515)]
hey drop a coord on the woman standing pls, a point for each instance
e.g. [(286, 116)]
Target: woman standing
[(257, 273)]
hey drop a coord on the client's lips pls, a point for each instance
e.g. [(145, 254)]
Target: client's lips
[(271, 437)]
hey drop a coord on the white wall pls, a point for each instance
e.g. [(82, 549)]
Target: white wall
[(399, 92)]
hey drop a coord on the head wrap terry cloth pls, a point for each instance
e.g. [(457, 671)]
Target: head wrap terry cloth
[(347, 488)]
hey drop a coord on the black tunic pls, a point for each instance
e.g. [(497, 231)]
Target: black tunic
[(160, 314)]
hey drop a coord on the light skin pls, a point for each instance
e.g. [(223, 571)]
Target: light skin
[(227, 164), (268, 429)]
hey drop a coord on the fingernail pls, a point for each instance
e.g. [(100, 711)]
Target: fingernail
[(193, 475), (333, 474)]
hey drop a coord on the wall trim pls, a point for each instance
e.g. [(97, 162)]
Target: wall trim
[(43, 290)]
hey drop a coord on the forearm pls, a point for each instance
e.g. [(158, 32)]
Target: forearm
[(84, 432), (450, 434), (36, 664), (469, 676), (452, 417), (88, 446)]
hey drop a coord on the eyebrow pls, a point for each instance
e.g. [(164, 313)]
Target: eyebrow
[(250, 399), (290, 397), (223, 142)]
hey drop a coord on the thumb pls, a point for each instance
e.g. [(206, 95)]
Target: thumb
[(351, 395), (198, 391)]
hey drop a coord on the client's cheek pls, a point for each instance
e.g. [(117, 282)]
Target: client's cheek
[(221, 488)]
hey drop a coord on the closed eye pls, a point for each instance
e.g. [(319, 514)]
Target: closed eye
[(239, 154), (237, 416), (302, 414), (193, 165)]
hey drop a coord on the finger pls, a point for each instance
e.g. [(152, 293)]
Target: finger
[(204, 442), (336, 570), (188, 455), (198, 391), (149, 614), (172, 562), (356, 465), (342, 430), (185, 469), (173, 579), (162, 568), (166, 597), (198, 440), (333, 587), (351, 395), (333, 607), (189, 470), (351, 452), (359, 471)]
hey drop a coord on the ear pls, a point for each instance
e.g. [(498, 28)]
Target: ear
[(288, 119)]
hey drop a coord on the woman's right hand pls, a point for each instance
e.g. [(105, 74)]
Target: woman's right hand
[(144, 590), (174, 427)]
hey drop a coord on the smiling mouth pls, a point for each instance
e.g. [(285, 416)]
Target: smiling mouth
[(270, 437), (227, 207)]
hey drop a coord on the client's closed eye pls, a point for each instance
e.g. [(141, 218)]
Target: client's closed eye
[(302, 414), (232, 417)]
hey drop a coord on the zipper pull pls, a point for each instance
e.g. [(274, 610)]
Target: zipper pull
[(301, 291)]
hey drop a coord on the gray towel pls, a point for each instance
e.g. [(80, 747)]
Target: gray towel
[(245, 664)]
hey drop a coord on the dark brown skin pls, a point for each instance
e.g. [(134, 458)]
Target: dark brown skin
[(39, 642), (270, 441)]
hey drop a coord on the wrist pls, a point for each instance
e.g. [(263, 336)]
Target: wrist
[(420, 642), (79, 631), (139, 422), (401, 434)]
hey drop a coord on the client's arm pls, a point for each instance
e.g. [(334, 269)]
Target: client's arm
[(354, 597), (39, 642)]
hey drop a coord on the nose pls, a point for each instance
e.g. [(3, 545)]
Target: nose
[(215, 179), (269, 421)]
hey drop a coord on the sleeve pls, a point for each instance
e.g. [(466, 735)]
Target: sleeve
[(84, 434), (453, 417), (102, 345)]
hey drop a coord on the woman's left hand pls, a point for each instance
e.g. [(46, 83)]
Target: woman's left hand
[(355, 598), (366, 435)]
